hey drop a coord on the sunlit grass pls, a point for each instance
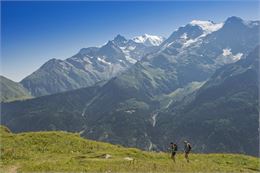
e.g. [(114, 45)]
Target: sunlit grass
[(68, 152)]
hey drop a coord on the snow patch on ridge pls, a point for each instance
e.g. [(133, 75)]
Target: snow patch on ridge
[(207, 26), (226, 52), (184, 36), (189, 42), (103, 61), (128, 57), (238, 56), (228, 57)]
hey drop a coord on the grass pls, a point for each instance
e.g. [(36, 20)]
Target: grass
[(67, 152)]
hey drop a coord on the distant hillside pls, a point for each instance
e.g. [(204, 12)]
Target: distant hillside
[(67, 152), (11, 90)]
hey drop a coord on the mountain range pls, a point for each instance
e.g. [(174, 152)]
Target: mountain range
[(199, 84), (89, 65)]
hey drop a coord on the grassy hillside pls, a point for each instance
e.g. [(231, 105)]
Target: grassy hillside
[(10, 90), (68, 152)]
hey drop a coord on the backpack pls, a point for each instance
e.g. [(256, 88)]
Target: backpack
[(176, 147), (189, 147)]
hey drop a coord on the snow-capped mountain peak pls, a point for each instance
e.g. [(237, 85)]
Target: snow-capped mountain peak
[(207, 26), (149, 40)]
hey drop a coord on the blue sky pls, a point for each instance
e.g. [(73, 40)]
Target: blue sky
[(34, 32)]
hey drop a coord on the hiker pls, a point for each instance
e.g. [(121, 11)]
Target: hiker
[(173, 148), (187, 149)]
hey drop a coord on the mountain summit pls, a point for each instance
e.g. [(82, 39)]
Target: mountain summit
[(149, 40), (120, 40)]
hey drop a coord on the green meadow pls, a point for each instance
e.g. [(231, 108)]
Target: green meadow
[(57, 151)]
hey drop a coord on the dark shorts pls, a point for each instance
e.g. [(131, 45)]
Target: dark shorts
[(173, 154)]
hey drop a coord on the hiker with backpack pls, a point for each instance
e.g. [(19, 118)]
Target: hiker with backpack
[(173, 148), (187, 149)]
